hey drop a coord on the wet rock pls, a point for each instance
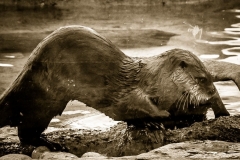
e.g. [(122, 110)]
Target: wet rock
[(195, 149), (15, 157), (15, 148), (9, 134), (127, 141), (122, 141), (57, 155), (222, 128), (186, 150), (92, 154), (119, 140)]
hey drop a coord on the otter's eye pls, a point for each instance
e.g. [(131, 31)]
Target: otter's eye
[(183, 64), (201, 79)]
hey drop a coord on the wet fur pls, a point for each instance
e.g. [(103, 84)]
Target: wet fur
[(76, 63)]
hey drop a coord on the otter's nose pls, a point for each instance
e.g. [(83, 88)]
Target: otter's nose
[(212, 91)]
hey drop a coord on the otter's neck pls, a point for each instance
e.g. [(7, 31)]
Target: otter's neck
[(127, 78), (151, 73)]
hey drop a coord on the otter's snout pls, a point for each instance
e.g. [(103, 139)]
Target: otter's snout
[(211, 91)]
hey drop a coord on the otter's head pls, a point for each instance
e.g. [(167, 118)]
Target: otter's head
[(177, 81), (194, 83)]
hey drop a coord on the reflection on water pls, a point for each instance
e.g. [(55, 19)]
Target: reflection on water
[(75, 112), (232, 34), (5, 56), (16, 55), (5, 65), (9, 56), (228, 90), (212, 56), (55, 120), (235, 30)]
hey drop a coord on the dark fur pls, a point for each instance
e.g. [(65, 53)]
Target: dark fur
[(76, 63)]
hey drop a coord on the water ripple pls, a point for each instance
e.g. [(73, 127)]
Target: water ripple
[(232, 35), (5, 65)]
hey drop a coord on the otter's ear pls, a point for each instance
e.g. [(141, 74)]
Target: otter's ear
[(183, 64)]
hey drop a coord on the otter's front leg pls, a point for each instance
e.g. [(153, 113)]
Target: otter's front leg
[(218, 107), (223, 71), (138, 105)]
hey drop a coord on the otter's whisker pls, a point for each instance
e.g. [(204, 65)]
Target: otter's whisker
[(198, 100), (191, 99), (186, 99), (183, 100), (177, 105), (194, 101), (179, 102)]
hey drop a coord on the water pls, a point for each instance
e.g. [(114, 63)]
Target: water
[(6, 58), (228, 90), (232, 34)]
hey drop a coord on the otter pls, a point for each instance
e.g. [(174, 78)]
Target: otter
[(76, 63)]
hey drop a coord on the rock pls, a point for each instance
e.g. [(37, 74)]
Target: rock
[(57, 155), (117, 141), (184, 151), (195, 149), (122, 141), (223, 128), (37, 153), (15, 157), (92, 154), (175, 151), (9, 134)]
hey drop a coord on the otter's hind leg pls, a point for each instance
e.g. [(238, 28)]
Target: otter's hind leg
[(32, 134), (35, 120)]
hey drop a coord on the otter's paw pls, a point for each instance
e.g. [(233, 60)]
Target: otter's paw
[(162, 114)]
